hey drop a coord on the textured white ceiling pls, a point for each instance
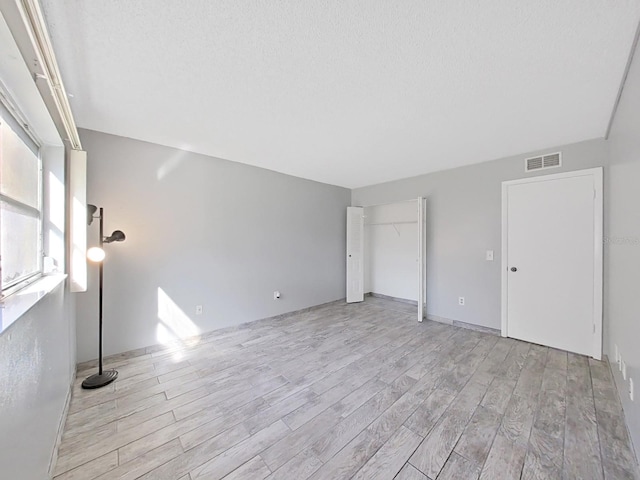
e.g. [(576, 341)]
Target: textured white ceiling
[(345, 92)]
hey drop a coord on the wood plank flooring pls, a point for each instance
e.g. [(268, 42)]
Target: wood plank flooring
[(357, 391)]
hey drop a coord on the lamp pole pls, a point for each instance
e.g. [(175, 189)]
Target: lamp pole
[(103, 377), (100, 276)]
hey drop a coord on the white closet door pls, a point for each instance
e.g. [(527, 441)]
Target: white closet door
[(355, 254), (421, 257)]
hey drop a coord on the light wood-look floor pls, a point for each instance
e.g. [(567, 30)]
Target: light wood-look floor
[(349, 391)]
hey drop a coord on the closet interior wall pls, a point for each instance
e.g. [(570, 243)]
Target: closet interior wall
[(391, 247)]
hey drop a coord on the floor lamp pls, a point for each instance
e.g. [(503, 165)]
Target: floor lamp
[(96, 254)]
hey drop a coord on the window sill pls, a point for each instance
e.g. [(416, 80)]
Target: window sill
[(20, 302)]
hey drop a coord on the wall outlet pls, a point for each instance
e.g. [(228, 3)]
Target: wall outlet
[(276, 295), (631, 388), (461, 301), (489, 256), (619, 361), (624, 369), (198, 309)]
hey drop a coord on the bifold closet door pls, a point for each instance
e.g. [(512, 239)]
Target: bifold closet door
[(355, 254), (422, 252)]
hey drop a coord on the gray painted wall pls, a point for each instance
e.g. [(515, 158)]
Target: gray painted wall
[(37, 364), (203, 231), (37, 355), (622, 250), (464, 221)]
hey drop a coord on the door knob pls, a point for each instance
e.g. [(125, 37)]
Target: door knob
[(514, 269)]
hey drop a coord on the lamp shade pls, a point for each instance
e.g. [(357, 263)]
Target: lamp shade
[(91, 210), (117, 236)]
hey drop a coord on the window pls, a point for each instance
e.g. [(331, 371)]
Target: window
[(20, 207)]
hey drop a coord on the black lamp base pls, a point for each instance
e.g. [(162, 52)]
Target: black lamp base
[(96, 380)]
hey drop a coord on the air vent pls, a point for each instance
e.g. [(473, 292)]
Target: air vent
[(534, 164), (551, 160)]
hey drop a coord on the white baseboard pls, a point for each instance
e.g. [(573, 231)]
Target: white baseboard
[(468, 326), (393, 299), (615, 384), (63, 420)]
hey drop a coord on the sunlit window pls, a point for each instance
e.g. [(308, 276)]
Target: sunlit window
[(20, 209)]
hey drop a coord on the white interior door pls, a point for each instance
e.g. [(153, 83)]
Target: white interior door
[(551, 263), (355, 254), (421, 258)]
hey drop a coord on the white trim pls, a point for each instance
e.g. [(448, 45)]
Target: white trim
[(421, 258), (15, 306), (20, 119), (504, 326), (598, 216), (36, 27), (598, 252), (53, 461)]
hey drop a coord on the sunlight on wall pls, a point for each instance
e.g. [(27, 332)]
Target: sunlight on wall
[(172, 163), (56, 201), (174, 327), (79, 247), (78, 226), (56, 220), (56, 249)]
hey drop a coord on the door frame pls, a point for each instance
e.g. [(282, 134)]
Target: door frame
[(422, 249), (598, 233), (422, 253)]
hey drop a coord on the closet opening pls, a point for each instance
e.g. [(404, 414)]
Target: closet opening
[(386, 253)]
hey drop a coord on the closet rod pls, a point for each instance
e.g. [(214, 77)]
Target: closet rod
[(391, 223)]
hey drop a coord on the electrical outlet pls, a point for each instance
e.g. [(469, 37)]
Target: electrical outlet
[(631, 388), (461, 301), (624, 369), (276, 295), (619, 361), (489, 256), (198, 309)]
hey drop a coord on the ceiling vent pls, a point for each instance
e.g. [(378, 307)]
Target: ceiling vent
[(551, 160)]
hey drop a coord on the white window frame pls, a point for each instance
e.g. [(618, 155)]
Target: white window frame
[(9, 119)]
